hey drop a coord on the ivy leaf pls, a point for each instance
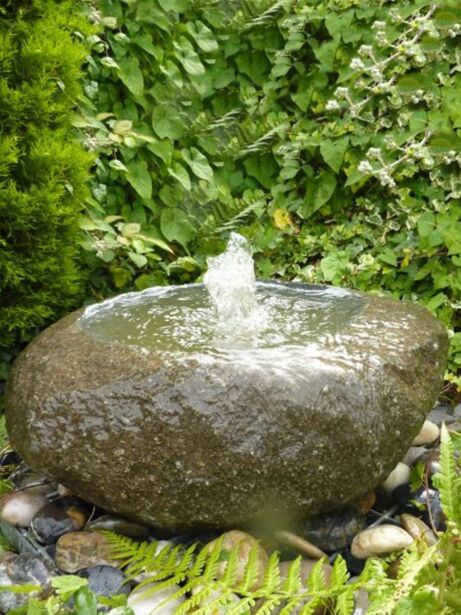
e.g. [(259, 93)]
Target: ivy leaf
[(175, 226), (149, 14), (140, 178), (174, 5), (318, 192), (333, 151), (167, 123), (198, 163), (203, 36), (131, 75), (180, 173), (188, 57), (138, 259)]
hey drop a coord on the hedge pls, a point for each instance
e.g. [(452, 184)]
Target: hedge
[(327, 132), (43, 169)]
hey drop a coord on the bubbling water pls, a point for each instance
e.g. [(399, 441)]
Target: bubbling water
[(231, 284), (232, 313)]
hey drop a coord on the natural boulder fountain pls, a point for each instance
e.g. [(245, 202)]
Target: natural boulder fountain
[(227, 403)]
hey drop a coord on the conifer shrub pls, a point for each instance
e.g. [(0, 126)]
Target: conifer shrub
[(43, 169)]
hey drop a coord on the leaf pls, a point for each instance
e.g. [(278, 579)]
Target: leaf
[(318, 192), (67, 585), (188, 57), (180, 173), (203, 36), (167, 122), (85, 602), (198, 163), (333, 151), (131, 75), (175, 226), (388, 256), (180, 6), (139, 177), (138, 259)]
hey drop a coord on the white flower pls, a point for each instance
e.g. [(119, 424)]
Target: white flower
[(357, 64), (385, 179), (378, 25), (342, 92), (332, 105), (365, 50), (365, 167), (374, 153)]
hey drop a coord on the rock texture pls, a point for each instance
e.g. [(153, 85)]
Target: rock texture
[(190, 444)]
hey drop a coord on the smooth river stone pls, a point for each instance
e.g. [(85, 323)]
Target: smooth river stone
[(78, 550), (195, 440), (20, 507), (380, 540), (428, 434)]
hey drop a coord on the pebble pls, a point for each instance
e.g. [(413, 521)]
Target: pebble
[(367, 502), (20, 507), (24, 569), (299, 544), (428, 434), (441, 414), (331, 532), (457, 411), (78, 550), (400, 475), (413, 454), (245, 544), (33, 482), (305, 569), (431, 461), (430, 498), (418, 529), (455, 427), (106, 580), (144, 603), (120, 525), (56, 519), (380, 540)]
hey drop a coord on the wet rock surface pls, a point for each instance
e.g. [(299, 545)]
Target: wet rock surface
[(372, 528), (125, 428)]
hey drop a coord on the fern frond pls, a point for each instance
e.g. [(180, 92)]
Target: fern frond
[(400, 589), (316, 579), (345, 602), (271, 579), (251, 572), (448, 481), (292, 583), (253, 13), (340, 575)]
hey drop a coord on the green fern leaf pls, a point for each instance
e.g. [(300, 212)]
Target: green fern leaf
[(292, 583), (340, 574), (271, 579), (345, 602), (448, 481), (316, 579)]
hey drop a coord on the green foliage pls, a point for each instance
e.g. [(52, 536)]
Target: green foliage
[(327, 131), (43, 170)]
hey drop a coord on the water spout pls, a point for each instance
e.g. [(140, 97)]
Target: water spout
[(231, 284)]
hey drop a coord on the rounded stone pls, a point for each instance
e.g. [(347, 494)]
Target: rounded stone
[(380, 540), (300, 544), (400, 475), (78, 550), (106, 580), (143, 602), (331, 532), (189, 440), (418, 529), (59, 517), (20, 507), (428, 434)]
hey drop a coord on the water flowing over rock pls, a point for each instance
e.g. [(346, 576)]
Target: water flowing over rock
[(169, 428)]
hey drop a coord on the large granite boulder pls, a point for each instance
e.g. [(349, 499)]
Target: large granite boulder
[(191, 443)]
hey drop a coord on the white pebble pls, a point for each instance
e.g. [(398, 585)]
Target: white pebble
[(400, 475), (428, 434), (380, 540), (20, 507), (144, 603)]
